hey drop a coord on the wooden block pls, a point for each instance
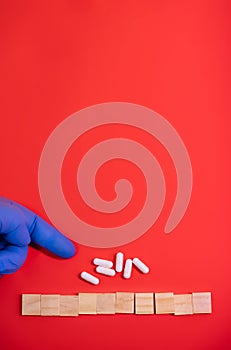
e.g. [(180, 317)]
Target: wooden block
[(183, 304), (124, 303), (144, 303), (202, 303), (31, 304), (164, 303), (50, 305), (105, 303), (69, 305), (87, 303)]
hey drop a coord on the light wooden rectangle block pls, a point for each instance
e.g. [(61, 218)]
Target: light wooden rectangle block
[(183, 304), (164, 303), (144, 303), (202, 303), (105, 303), (31, 304), (50, 305), (69, 305), (87, 303), (124, 303)]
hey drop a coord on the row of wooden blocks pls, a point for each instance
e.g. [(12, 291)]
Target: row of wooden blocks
[(113, 303)]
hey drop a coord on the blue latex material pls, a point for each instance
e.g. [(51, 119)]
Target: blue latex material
[(19, 227)]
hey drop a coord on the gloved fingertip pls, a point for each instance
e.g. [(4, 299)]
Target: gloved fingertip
[(51, 239), (70, 250), (63, 247)]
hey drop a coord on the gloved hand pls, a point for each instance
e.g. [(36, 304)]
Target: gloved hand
[(18, 227)]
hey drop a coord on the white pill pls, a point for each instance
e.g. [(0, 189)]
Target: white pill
[(128, 268), (119, 262), (89, 278), (140, 265), (105, 271), (103, 262)]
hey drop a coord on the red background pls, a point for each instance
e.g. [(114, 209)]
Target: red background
[(171, 56)]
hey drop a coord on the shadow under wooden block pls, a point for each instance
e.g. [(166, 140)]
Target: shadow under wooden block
[(144, 303), (69, 305), (31, 304), (105, 303), (124, 303), (50, 305), (164, 303), (202, 303), (183, 304), (87, 303)]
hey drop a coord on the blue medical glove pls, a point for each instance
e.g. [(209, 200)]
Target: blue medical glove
[(18, 227)]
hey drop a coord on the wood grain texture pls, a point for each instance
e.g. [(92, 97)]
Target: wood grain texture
[(183, 304), (105, 303), (31, 304), (50, 305), (164, 303), (87, 303), (69, 305), (125, 303), (202, 303), (144, 303)]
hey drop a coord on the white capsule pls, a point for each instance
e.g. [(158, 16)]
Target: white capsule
[(89, 278), (128, 268), (140, 265), (119, 262), (105, 271), (103, 262)]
